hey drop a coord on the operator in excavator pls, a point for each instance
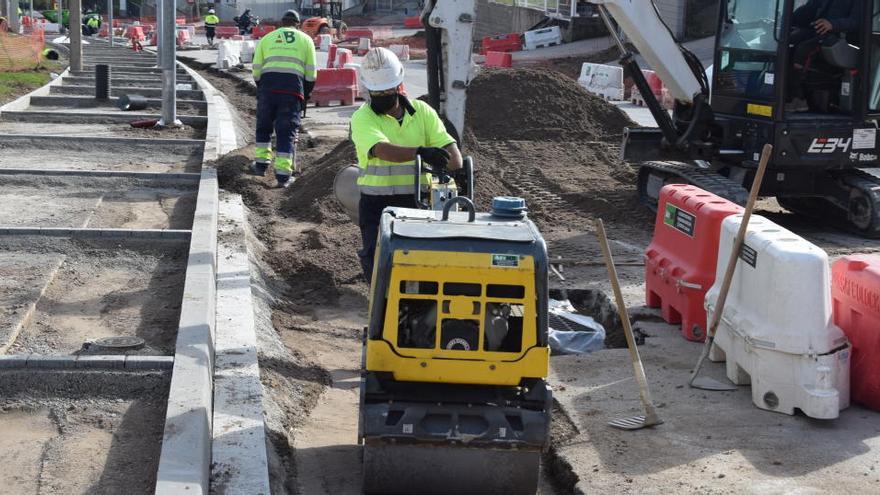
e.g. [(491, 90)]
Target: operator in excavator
[(812, 23), (388, 133)]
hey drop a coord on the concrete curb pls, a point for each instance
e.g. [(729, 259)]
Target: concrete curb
[(165, 177), (85, 101), (147, 92), (146, 142), (87, 233), (220, 137), (239, 461), (88, 362), (10, 337), (94, 118), (185, 461)]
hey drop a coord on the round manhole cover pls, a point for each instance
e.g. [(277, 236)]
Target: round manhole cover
[(124, 342)]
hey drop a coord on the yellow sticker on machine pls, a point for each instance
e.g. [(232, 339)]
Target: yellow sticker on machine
[(762, 110)]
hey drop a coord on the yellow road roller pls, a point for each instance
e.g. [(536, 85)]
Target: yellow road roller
[(453, 392)]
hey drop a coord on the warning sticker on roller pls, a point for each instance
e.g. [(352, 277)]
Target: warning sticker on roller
[(681, 220), (749, 255), (505, 260)]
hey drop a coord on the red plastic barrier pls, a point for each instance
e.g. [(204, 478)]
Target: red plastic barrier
[(358, 33), (331, 56), (227, 32), (654, 81), (104, 31), (511, 42), (855, 296), (414, 22), (499, 59), (180, 20), (182, 37), (680, 261), (261, 30), (136, 33), (335, 85)]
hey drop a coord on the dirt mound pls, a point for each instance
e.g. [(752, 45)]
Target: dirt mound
[(311, 197), (539, 135), (530, 104)]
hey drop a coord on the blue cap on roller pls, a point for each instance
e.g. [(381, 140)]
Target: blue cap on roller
[(508, 207)]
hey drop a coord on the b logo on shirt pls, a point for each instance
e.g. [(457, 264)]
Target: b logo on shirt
[(289, 37)]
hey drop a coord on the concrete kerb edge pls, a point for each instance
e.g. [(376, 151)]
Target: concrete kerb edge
[(220, 136), (185, 461), (86, 362), (240, 460)]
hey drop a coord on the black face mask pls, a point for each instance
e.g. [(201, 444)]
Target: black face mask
[(382, 104)]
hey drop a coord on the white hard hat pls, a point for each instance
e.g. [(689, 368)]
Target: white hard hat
[(211, 11), (381, 70)]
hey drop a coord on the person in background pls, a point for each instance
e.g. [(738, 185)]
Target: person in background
[(285, 72), (211, 21)]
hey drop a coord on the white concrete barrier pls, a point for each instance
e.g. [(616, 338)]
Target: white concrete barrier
[(402, 52), (602, 80), (539, 38), (362, 90), (776, 330), (247, 51), (228, 54), (324, 41)]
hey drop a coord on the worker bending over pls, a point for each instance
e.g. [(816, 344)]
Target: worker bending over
[(211, 21), (284, 70), (388, 133)]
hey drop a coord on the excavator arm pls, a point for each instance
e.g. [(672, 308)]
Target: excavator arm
[(449, 31)]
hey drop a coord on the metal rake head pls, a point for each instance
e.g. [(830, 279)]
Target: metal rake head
[(635, 422)]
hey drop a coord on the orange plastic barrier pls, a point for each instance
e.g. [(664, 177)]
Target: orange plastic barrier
[(358, 33), (855, 296), (680, 262), (413, 22), (499, 59), (226, 32), (335, 85), (261, 30), (331, 56), (511, 42)]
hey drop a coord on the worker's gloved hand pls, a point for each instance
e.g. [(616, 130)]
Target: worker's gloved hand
[(437, 158)]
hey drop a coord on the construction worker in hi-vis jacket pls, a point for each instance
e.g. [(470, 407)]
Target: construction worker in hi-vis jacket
[(284, 70)]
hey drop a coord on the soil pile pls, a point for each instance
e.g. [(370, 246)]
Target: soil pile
[(532, 104), (539, 135)]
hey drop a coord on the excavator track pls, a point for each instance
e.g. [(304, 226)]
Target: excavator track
[(654, 175), (863, 210)]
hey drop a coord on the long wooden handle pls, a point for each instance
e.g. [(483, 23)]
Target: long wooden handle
[(738, 242), (638, 368)]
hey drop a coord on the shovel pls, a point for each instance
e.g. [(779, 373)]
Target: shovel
[(650, 418), (706, 383)]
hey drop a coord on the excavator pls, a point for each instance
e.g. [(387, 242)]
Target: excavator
[(825, 159), (446, 407)]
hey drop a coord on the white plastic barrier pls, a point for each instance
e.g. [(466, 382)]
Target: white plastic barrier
[(602, 80), (228, 54), (402, 52), (363, 46), (539, 38), (247, 51), (362, 90), (339, 55), (324, 41), (776, 331)]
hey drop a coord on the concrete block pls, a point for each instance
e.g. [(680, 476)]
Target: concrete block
[(14, 361), (149, 362), (101, 362), (52, 362)]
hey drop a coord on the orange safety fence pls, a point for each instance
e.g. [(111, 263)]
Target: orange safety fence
[(21, 52)]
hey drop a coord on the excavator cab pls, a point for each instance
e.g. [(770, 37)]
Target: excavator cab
[(767, 57)]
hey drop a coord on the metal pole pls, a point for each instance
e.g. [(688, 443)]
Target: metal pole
[(32, 12), (159, 30), (76, 61), (60, 17), (110, 21), (12, 15), (168, 48)]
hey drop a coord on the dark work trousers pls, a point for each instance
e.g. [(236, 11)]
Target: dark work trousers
[(369, 213), (209, 33), (806, 46), (280, 113)]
